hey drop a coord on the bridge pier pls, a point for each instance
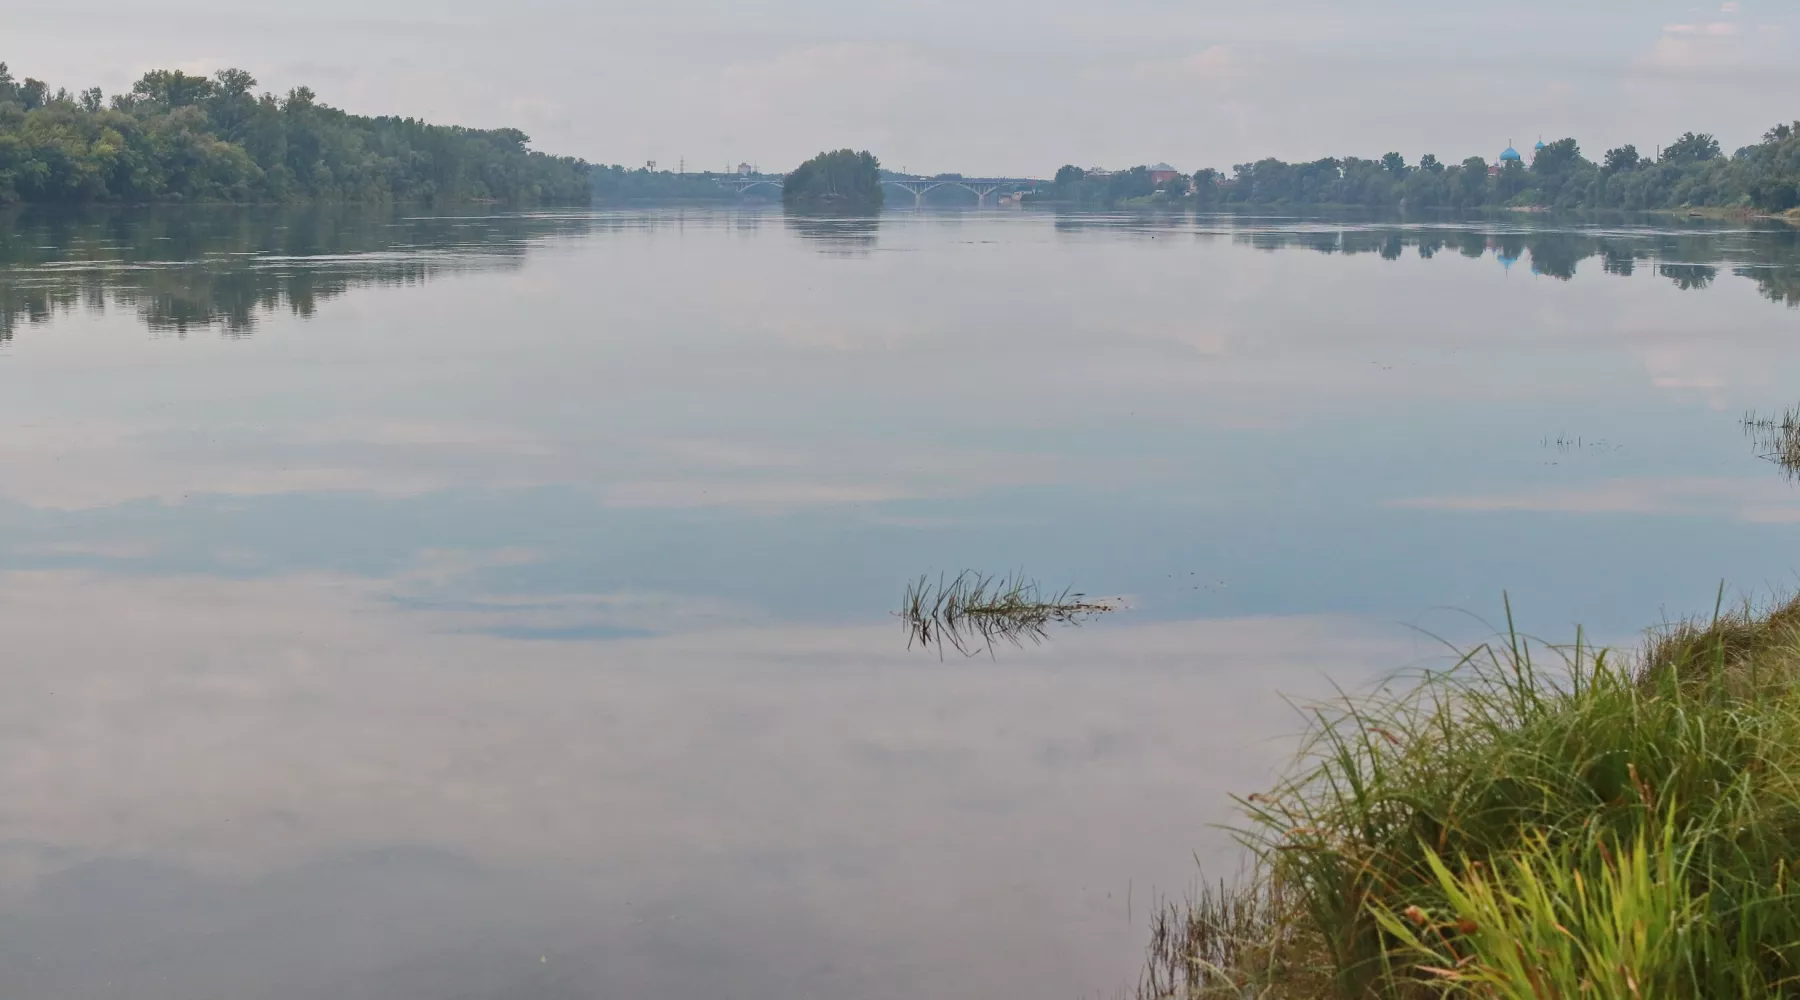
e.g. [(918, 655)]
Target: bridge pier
[(917, 190)]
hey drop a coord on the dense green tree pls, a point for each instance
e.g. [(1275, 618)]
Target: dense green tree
[(1559, 158), (1691, 147), (1206, 187), (166, 89), (1472, 183), (1691, 173), (177, 137), (1622, 158), (845, 180), (1076, 186)]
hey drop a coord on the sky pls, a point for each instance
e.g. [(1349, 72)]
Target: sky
[(982, 87)]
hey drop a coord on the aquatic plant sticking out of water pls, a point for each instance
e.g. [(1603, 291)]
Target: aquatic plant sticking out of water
[(972, 611), (1777, 438)]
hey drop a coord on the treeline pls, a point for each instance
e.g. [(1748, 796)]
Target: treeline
[(618, 184), (1691, 172), (1075, 186), (177, 137)]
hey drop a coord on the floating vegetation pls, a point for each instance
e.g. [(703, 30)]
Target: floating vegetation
[(972, 611), (1776, 438), (1567, 444)]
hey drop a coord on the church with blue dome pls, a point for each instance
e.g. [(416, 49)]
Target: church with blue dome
[(1511, 155)]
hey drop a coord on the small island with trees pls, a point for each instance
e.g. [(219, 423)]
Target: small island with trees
[(842, 181)]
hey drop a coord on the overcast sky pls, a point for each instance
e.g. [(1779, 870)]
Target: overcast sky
[(978, 86)]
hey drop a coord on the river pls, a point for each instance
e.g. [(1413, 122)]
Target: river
[(432, 606)]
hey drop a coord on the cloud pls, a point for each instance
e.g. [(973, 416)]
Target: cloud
[(1715, 29), (1215, 64), (240, 728), (398, 724), (812, 78), (1689, 47), (87, 464), (1764, 500)]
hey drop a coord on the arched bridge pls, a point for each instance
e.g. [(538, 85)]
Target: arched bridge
[(981, 187), (742, 184)]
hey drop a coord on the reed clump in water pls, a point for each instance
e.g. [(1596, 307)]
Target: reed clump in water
[(1776, 438), (1531, 823), (972, 611)]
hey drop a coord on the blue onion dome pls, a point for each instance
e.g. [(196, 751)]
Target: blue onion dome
[(1510, 154), (1540, 144)]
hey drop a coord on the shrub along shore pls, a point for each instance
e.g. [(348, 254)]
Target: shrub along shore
[(1532, 822)]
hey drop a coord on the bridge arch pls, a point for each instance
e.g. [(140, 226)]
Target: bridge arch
[(981, 188)]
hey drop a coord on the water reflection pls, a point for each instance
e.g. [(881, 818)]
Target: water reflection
[(181, 270), (1691, 258), (223, 268), (284, 788), (836, 235), (1776, 438), (1688, 277), (559, 660)]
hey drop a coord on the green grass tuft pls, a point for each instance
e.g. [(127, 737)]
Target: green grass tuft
[(1533, 821)]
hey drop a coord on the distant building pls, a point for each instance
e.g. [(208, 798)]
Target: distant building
[(1097, 173), (1162, 173), (745, 170)]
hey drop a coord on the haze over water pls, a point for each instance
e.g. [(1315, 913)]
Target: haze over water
[(501, 605)]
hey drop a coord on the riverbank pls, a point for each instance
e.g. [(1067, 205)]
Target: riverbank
[(1186, 206), (1532, 822)]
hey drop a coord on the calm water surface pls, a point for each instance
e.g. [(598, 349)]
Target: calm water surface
[(500, 606)]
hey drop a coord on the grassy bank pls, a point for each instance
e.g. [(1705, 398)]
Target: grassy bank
[(1533, 822)]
